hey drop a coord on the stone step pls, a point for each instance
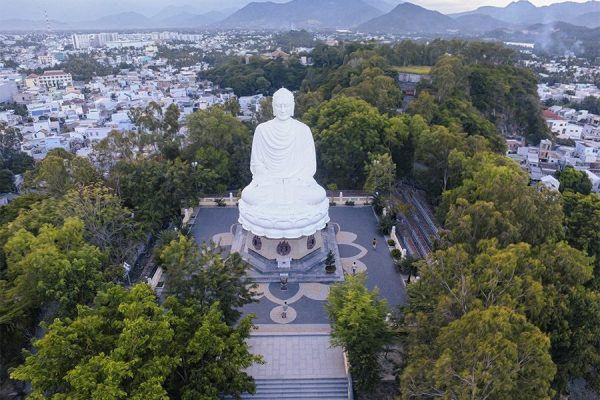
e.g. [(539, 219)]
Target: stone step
[(300, 381), (316, 388), (293, 396), (302, 388)]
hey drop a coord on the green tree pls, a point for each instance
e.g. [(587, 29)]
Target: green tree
[(60, 171), (7, 181), (514, 211), (492, 354), (169, 140), (378, 89), (449, 77), (346, 130), (380, 172), (548, 284), (170, 122), (202, 275), (433, 149), (120, 348), (232, 106), (108, 224), (424, 105), (266, 110), (11, 156), (213, 354), (215, 169), (358, 320), (55, 265), (215, 127), (582, 225), (575, 181), (155, 190)]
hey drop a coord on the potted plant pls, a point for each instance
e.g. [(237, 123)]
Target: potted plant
[(330, 263)]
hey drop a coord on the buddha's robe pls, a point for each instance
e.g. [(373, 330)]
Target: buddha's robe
[(283, 200), (283, 164)]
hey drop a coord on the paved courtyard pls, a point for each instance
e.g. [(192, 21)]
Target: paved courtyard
[(296, 354), (305, 301)]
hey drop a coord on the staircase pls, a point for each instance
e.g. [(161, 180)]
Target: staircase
[(326, 389), (300, 363)]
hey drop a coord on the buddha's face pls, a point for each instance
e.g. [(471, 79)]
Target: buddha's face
[(283, 109)]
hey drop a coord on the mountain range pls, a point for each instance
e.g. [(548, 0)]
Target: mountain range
[(376, 16)]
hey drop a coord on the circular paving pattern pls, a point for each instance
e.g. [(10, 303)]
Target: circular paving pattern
[(316, 291), (259, 292), (347, 264), (277, 315), (223, 239), (291, 292)]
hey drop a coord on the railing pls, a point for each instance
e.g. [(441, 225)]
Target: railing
[(397, 242), (229, 200), (155, 279), (348, 376)]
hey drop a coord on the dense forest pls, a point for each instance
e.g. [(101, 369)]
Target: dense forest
[(506, 307)]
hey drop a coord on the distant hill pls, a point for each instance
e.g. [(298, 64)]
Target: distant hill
[(480, 23), (127, 20), (590, 20), (381, 5), (407, 18), (183, 20), (307, 14), (525, 13), (557, 38)]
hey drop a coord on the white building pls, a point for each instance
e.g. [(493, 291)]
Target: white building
[(595, 179), (550, 182), (81, 41), (7, 90), (53, 78)]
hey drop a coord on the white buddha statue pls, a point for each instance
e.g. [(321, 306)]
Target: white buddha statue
[(283, 200)]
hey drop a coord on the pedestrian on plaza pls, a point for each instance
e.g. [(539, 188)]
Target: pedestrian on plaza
[(353, 267), (374, 243), (284, 313)]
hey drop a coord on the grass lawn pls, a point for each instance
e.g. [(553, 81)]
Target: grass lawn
[(414, 69)]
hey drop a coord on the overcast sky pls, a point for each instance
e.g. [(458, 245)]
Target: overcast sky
[(92, 9)]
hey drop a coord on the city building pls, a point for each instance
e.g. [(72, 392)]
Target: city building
[(54, 78), (81, 41)]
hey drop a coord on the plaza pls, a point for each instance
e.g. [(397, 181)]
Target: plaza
[(299, 360)]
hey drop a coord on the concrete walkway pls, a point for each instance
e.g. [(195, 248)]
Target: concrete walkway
[(304, 353)]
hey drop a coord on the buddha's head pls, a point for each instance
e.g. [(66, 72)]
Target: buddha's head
[(283, 104)]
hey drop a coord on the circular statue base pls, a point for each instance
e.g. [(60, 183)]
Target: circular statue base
[(293, 260)]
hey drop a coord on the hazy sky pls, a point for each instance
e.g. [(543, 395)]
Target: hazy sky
[(92, 9)]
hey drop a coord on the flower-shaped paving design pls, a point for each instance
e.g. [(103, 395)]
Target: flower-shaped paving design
[(312, 291)]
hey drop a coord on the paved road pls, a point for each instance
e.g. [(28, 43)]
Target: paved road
[(359, 220)]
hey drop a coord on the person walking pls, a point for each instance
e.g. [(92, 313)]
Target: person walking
[(354, 267), (374, 243), (285, 308)]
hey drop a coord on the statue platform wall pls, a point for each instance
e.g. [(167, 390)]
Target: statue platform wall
[(300, 259)]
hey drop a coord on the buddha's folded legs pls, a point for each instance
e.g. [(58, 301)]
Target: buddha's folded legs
[(283, 192)]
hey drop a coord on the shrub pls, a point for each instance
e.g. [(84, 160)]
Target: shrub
[(377, 204), (397, 254), (220, 202), (408, 266), (385, 225), (391, 242), (332, 204), (349, 203)]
